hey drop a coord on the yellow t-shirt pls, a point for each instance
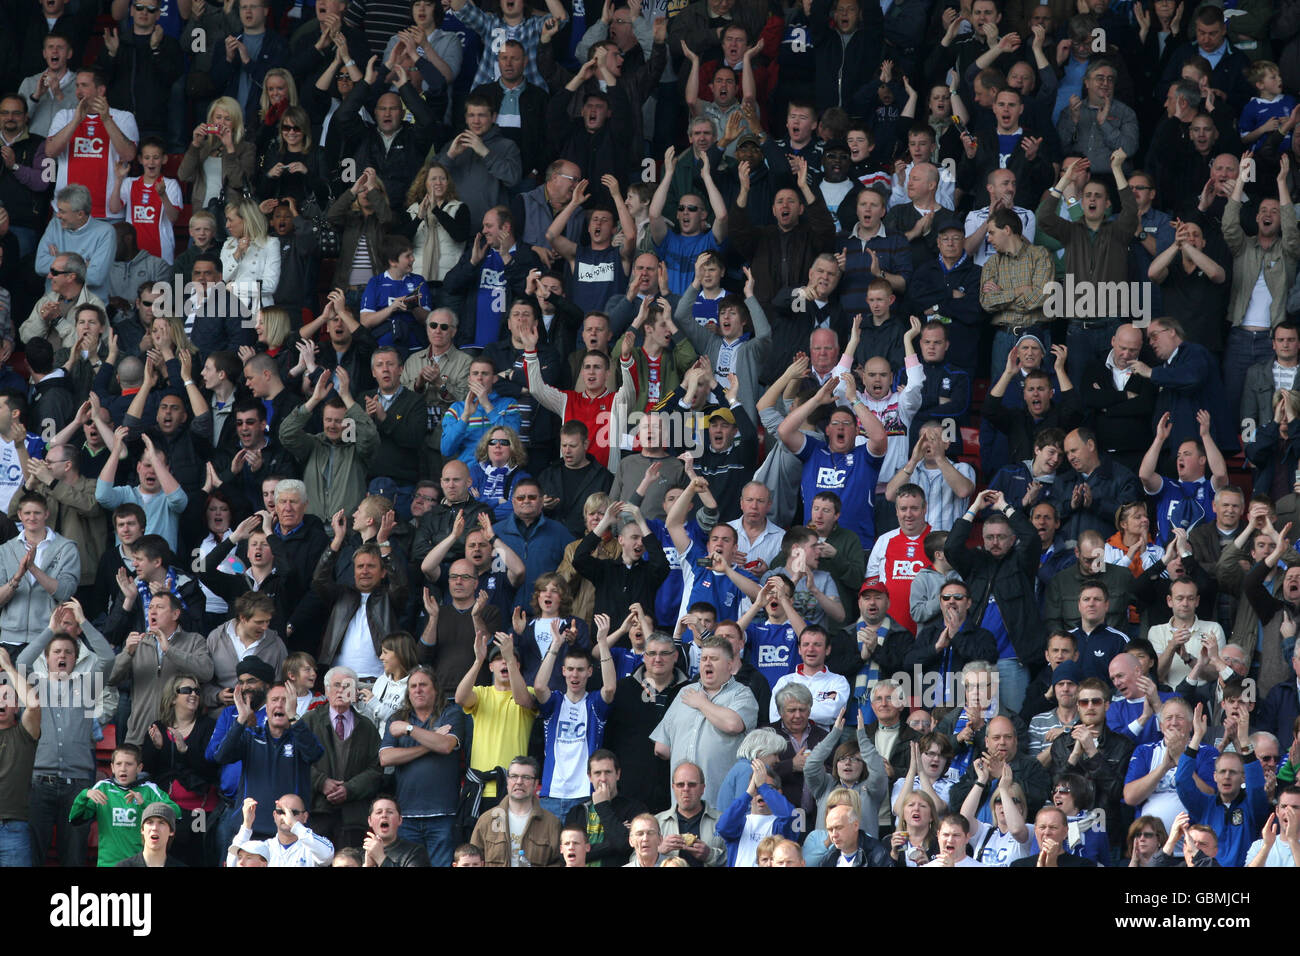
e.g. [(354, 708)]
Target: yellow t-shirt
[(501, 731)]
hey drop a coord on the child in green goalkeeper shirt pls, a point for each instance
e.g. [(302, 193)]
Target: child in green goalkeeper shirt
[(116, 803)]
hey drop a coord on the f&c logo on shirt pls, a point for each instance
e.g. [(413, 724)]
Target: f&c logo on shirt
[(831, 477)]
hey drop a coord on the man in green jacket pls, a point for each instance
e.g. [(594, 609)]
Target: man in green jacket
[(334, 461)]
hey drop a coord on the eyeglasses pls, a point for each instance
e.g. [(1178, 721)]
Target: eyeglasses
[(1149, 834), (432, 499), (687, 784), (521, 776), (684, 207), (187, 689), (461, 577), (1141, 189), (440, 326), (572, 179), (674, 654), (1090, 702), (500, 441), (1266, 759), (522, 497)]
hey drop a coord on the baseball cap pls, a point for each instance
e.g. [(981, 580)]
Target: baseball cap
[(873, 584)]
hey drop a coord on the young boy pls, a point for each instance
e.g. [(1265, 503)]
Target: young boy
[(774, 643), (924, 596), (700, 620), (203, 239), (1270, 110), (152, 201), (396, 302), (115, 804), (300, 676)]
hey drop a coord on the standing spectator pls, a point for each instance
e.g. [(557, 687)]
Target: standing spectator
[(334, 461), (347, 775), (42, 570), (276, 757), (140, 67), (519, 832), (1012, 285), (423, 742), (705, 722), (158, 493), (366, 610), (88, 140), (1188, 380)]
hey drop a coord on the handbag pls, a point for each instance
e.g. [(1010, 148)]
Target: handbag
[(328, 240)]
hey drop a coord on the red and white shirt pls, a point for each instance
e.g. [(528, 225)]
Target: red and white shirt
[(153, 230), (90, 156), (896, 559)]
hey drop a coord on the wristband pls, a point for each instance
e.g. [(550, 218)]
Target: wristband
[(349, 62), (188, 382)]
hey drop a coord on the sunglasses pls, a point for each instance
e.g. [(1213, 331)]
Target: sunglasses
[(686, 208), (951, 597), (440, 326), (187, 689), (499, 441), (60, 272), (144, 8), (1090, 702), (1064, 790), (284, 812), (286, 128)]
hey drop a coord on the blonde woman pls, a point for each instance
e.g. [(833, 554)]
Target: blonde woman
[(499, 459), (250, 258), (444, 225), (276, 337), (279, 93), (219, 158), (593, 512), (164, 339)]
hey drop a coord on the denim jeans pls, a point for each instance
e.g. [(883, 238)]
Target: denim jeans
[(1085, 345), (1245, 348), (51, 801), (15, 843), (1013, 681), (436, 834), (560, 806)]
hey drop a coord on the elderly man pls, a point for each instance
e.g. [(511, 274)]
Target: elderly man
[(688, 829), (439, 373), (1149, 786), (54, 316), (73, 230), (347, 775), (852, 846), (706, 721)]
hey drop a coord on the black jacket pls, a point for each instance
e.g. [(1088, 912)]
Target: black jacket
[(582, 482), (140, 78), (281, 586), (401, 436), (401, 161), (530, 135), (1025, 770), (1122, 424), (1020, 426), (843, 67), (633, 715), (616, 816), (1010, 579), (437, 523), (871, 852), (972, 643), (618, 586), (1106, 769), (1111, 485)]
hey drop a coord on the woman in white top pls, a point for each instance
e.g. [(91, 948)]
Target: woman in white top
[(929, 769), (250, 258), (1012, 838), (398, 654), (444, 225)]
